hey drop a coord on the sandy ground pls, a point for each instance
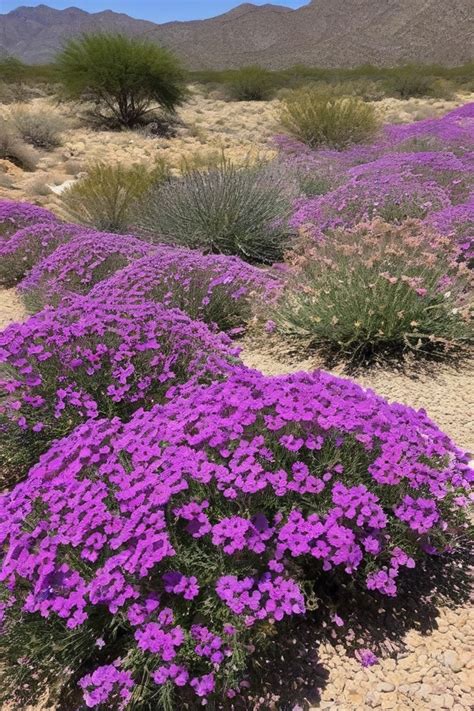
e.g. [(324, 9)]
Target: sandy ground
[(431, 666)]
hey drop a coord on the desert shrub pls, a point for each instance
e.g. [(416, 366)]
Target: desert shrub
[(13, 149), (125, 77), (227, 209), (250, 84), (147, 562), (88, 359), (365, 89), (28, 246), (377, 291), (75, 267), (105, 197), (217, 289), (325, 119), (408, 82), (16, 215), (41, 129)]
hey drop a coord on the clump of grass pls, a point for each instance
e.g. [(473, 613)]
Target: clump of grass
[(375, 291), (251, 83), (41, 129), (106, 196), (224, 209), (325, 119), (13, 149)]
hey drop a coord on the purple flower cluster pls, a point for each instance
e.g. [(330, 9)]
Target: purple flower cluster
[(255, 475), (88, 358), (75, 267), (214, 288), (15, 215), (29, 245)]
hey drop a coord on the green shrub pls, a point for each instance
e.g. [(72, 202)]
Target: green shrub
[(104, 199), (125, 77), (41, 129), (226, 209), (375, 291), (13, 149), (250, 84), (325, 119), (408, 82)]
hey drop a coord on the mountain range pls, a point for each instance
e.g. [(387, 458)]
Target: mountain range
[(326, 33)]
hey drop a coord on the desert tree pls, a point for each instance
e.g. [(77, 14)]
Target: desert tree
[(125, 77)]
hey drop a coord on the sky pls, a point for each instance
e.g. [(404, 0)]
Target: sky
[(154, 10)]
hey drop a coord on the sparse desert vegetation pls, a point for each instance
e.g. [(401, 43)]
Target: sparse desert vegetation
[(195, 501)]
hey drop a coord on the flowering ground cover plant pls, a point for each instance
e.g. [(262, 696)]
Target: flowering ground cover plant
[(457, 222), (144, 561), (15, 215), (91, 359), (74, 267), (377, 290), (217, 289), (29, 245)]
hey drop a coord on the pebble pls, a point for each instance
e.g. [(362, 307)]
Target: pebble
[(385, 686)]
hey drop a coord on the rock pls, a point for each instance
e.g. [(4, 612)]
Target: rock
[(58, 189), (385, 686), (451, 660), (448, 701)]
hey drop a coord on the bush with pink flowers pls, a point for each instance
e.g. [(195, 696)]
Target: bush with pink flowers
[(377, 290), (152, 556)]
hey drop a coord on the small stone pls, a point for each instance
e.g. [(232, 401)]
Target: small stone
[(451, 660), (448, 701), (385, 686)]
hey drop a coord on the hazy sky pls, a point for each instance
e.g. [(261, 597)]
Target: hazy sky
[(155, 10)]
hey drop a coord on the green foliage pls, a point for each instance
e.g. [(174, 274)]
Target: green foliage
[(41, 129), (11, 69), (251, 83), (224, 209), (377, 291), (13, 149), (125, 77), (408, 82), (324, 119), (105, 198)]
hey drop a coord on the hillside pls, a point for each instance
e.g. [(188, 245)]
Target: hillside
[(328, 33)]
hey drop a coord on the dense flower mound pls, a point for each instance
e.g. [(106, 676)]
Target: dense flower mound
[(214, 288), (15, 215), (29, 245), (89, 359), (453, 132), (389, 195), (75, 267), (201, 521), (376, 291), (457, 222)]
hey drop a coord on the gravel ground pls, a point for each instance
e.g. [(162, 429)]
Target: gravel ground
[(428, 638)]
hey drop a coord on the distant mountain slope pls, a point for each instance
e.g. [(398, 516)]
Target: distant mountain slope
[(327, 33)]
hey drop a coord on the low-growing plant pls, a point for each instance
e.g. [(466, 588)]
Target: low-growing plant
[(227, 209), (42, 129), (214, 288), (14, 149), (251, 83), (75, 267), (106, 196), (28, 246), (326, 119), (377, 291), (16, 215), (89, 359), (127, 78), (144, 564)]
